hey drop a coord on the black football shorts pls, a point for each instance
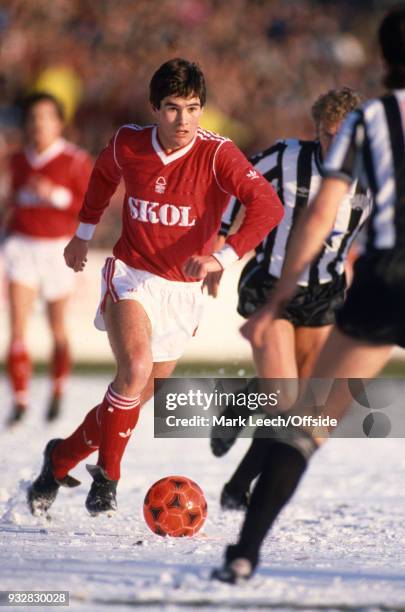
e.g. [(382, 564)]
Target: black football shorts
[(312, 306), (374, 309)]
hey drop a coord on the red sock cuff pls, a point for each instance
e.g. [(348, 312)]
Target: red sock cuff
[(119, 401)]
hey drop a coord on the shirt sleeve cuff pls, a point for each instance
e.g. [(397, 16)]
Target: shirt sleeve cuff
[(226, 256), (61, 197), (85, 231)]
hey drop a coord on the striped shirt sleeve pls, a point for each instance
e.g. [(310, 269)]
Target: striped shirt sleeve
[(344, 159)]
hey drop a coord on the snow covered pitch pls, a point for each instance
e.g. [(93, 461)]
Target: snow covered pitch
[(340, 544)]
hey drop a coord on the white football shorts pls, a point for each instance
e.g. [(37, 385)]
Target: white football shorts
[(38, 263), (174, 308)]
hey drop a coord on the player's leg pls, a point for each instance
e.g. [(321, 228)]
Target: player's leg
[(276, 360), (173, 309), (161, 369), (345, 357), (309, 342), (129, 333), (282, 469), (19, 366), (235, 494), (341, 357), (60, 362), (109, 425)]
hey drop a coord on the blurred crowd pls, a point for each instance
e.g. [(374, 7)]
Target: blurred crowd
[(265, 61)]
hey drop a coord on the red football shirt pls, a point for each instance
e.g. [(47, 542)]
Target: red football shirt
[(174, 202), (68, 168)]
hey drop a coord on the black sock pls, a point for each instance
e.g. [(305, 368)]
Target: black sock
[(282, 470), (249, 467), (241, 409)]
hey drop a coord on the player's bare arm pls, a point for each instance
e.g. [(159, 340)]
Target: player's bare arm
[(75, 254), (311, 231)]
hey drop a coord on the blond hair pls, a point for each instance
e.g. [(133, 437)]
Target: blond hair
[(334, 105)]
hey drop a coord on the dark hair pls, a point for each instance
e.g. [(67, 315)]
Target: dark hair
[(392, 41), (41, 96), (177, 77)]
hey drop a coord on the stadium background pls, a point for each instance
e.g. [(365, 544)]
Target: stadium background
[(265, 62)]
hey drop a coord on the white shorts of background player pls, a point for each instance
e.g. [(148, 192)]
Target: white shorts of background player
[(38, 263)]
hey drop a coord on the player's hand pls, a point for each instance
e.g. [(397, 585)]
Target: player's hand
[(75, 254), (199, 266), (211, 282)]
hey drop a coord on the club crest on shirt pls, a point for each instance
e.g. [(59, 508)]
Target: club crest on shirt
[(160, 185)]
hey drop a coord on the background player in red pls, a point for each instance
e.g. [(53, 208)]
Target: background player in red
[(177, 180), (48, 180)]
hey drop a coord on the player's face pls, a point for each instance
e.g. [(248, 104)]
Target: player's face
[(43, 125), (178, 120), (326, 134)]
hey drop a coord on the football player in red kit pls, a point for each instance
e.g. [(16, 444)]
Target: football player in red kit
[(48, 180), (177, 180)]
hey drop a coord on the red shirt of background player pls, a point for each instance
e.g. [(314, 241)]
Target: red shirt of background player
[(174, 202), (64, 165)]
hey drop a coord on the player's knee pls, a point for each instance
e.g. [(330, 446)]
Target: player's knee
[(257, 342), (287, 394), (135, 370)]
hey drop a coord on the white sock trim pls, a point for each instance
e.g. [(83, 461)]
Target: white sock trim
[(120, 401)]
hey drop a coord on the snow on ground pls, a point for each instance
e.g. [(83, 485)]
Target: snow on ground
[(339, 545)]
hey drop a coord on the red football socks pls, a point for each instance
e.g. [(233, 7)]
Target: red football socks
[(118, 418), (19, 369), (60, 367), (83, 441), (107, 427)]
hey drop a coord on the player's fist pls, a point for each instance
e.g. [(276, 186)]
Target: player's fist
[(198, 266), (75, 254)]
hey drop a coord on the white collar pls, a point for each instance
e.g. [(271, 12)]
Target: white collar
[(37, 160), (166, 159)]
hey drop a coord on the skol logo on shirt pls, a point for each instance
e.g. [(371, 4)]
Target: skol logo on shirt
[(165, 214)]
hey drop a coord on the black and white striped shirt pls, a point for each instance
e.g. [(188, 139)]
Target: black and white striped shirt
[(294, 167), (371, 147)]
